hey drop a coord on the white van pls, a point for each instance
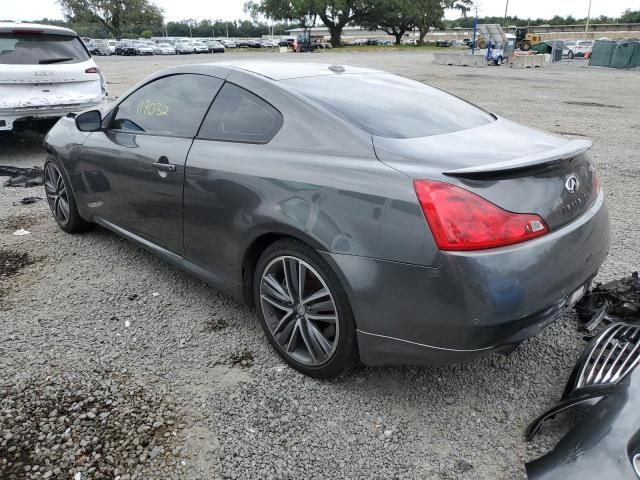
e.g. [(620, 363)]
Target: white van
[(45, 72)]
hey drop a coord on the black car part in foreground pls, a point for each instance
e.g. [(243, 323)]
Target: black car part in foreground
[(21, 177), (606, 444), (615, 301)]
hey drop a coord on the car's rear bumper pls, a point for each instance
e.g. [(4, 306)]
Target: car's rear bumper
[(9, 116), (470, 302)]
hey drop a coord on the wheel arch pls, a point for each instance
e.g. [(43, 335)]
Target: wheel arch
[(259, 242)]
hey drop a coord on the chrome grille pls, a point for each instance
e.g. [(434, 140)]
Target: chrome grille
[(614, 353)]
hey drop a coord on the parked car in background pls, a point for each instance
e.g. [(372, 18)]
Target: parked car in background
[(214, 46), (382, 218), (569, 48), (288, 42), (319, 43), (103, 45), (144, 48), (127, 48), (229, 43), (45, 72), (112, 46), (582, 48), (183, 48), (249, 43), (164, 49), (199, 47)]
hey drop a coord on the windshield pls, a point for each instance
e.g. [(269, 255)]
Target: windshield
[(391, 106), (40, 49)]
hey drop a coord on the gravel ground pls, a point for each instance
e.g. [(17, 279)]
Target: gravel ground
[(115, 364)]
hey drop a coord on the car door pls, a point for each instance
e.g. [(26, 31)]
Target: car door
[(133, 170), (221, 195)]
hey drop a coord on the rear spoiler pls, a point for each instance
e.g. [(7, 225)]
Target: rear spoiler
[(567, 150)]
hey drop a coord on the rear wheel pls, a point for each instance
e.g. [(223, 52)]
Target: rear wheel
[(571, 55), (61, 200), (304, 310)]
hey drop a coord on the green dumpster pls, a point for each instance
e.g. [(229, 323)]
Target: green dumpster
[(602, 53), (627, 55)]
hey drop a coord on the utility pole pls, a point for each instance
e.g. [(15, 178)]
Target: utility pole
[(586, 27), (227, 25), (475, 29), (506, 7)]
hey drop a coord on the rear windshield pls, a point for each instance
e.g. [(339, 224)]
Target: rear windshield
[(391, 106), (40, 49)]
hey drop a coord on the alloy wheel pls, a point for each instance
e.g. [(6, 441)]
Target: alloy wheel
[(299, 310), (56, 194)]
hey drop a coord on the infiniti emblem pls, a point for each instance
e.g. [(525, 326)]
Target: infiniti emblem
[(571, 184)]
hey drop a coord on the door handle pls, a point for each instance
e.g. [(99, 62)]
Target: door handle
[(163, 165)]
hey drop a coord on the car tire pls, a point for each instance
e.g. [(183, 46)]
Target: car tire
[(61, 199), (571, 55), (314, 332)]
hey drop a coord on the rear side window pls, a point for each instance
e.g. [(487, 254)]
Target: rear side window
[(238, 115), (40, 49), (391, 106), (169, 106)]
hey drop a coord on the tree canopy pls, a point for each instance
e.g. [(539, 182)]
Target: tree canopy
[(114, 15), (140, 18)]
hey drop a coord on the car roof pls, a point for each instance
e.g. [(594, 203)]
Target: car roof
[(8, 27), (280, 70)]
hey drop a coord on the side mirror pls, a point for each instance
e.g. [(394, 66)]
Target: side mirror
[(90, 121)]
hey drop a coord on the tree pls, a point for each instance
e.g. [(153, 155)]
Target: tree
[(335, 14), (114, 15), (302, 13), (395, 17), (339, 13), (630, 16), (430, 13)]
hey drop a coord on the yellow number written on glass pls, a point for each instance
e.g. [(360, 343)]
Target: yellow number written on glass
[(149, 108)]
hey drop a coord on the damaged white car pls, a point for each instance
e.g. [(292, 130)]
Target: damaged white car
[(45, 72)]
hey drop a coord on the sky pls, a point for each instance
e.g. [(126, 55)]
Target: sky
[(234, 9)]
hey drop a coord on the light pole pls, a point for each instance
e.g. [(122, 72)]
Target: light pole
[(506, 7), (475, 29), (586, 27)]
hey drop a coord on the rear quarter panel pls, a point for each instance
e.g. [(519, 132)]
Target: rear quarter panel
[(316, 180)]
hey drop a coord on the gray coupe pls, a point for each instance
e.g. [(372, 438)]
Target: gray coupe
[(362, 213)]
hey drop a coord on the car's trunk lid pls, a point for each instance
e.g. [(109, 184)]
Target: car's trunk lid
[(517, 168), (30, 86)]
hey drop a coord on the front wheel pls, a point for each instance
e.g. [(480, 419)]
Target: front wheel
[(62, 201), (497, 61), (304, 310)]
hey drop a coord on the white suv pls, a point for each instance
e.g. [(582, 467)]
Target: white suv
[(45, 72)]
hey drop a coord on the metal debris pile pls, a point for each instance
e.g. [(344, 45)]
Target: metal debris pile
[(615, 301), (21, 177)]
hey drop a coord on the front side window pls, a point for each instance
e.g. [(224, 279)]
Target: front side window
[(171, 106), (40, 49), (238, 115)]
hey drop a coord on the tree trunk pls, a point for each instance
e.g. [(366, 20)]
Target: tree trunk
[(398, 36), (336, 33), (422, 33)]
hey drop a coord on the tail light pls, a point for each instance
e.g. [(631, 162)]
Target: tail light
[(92, 70), (462, 220)]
